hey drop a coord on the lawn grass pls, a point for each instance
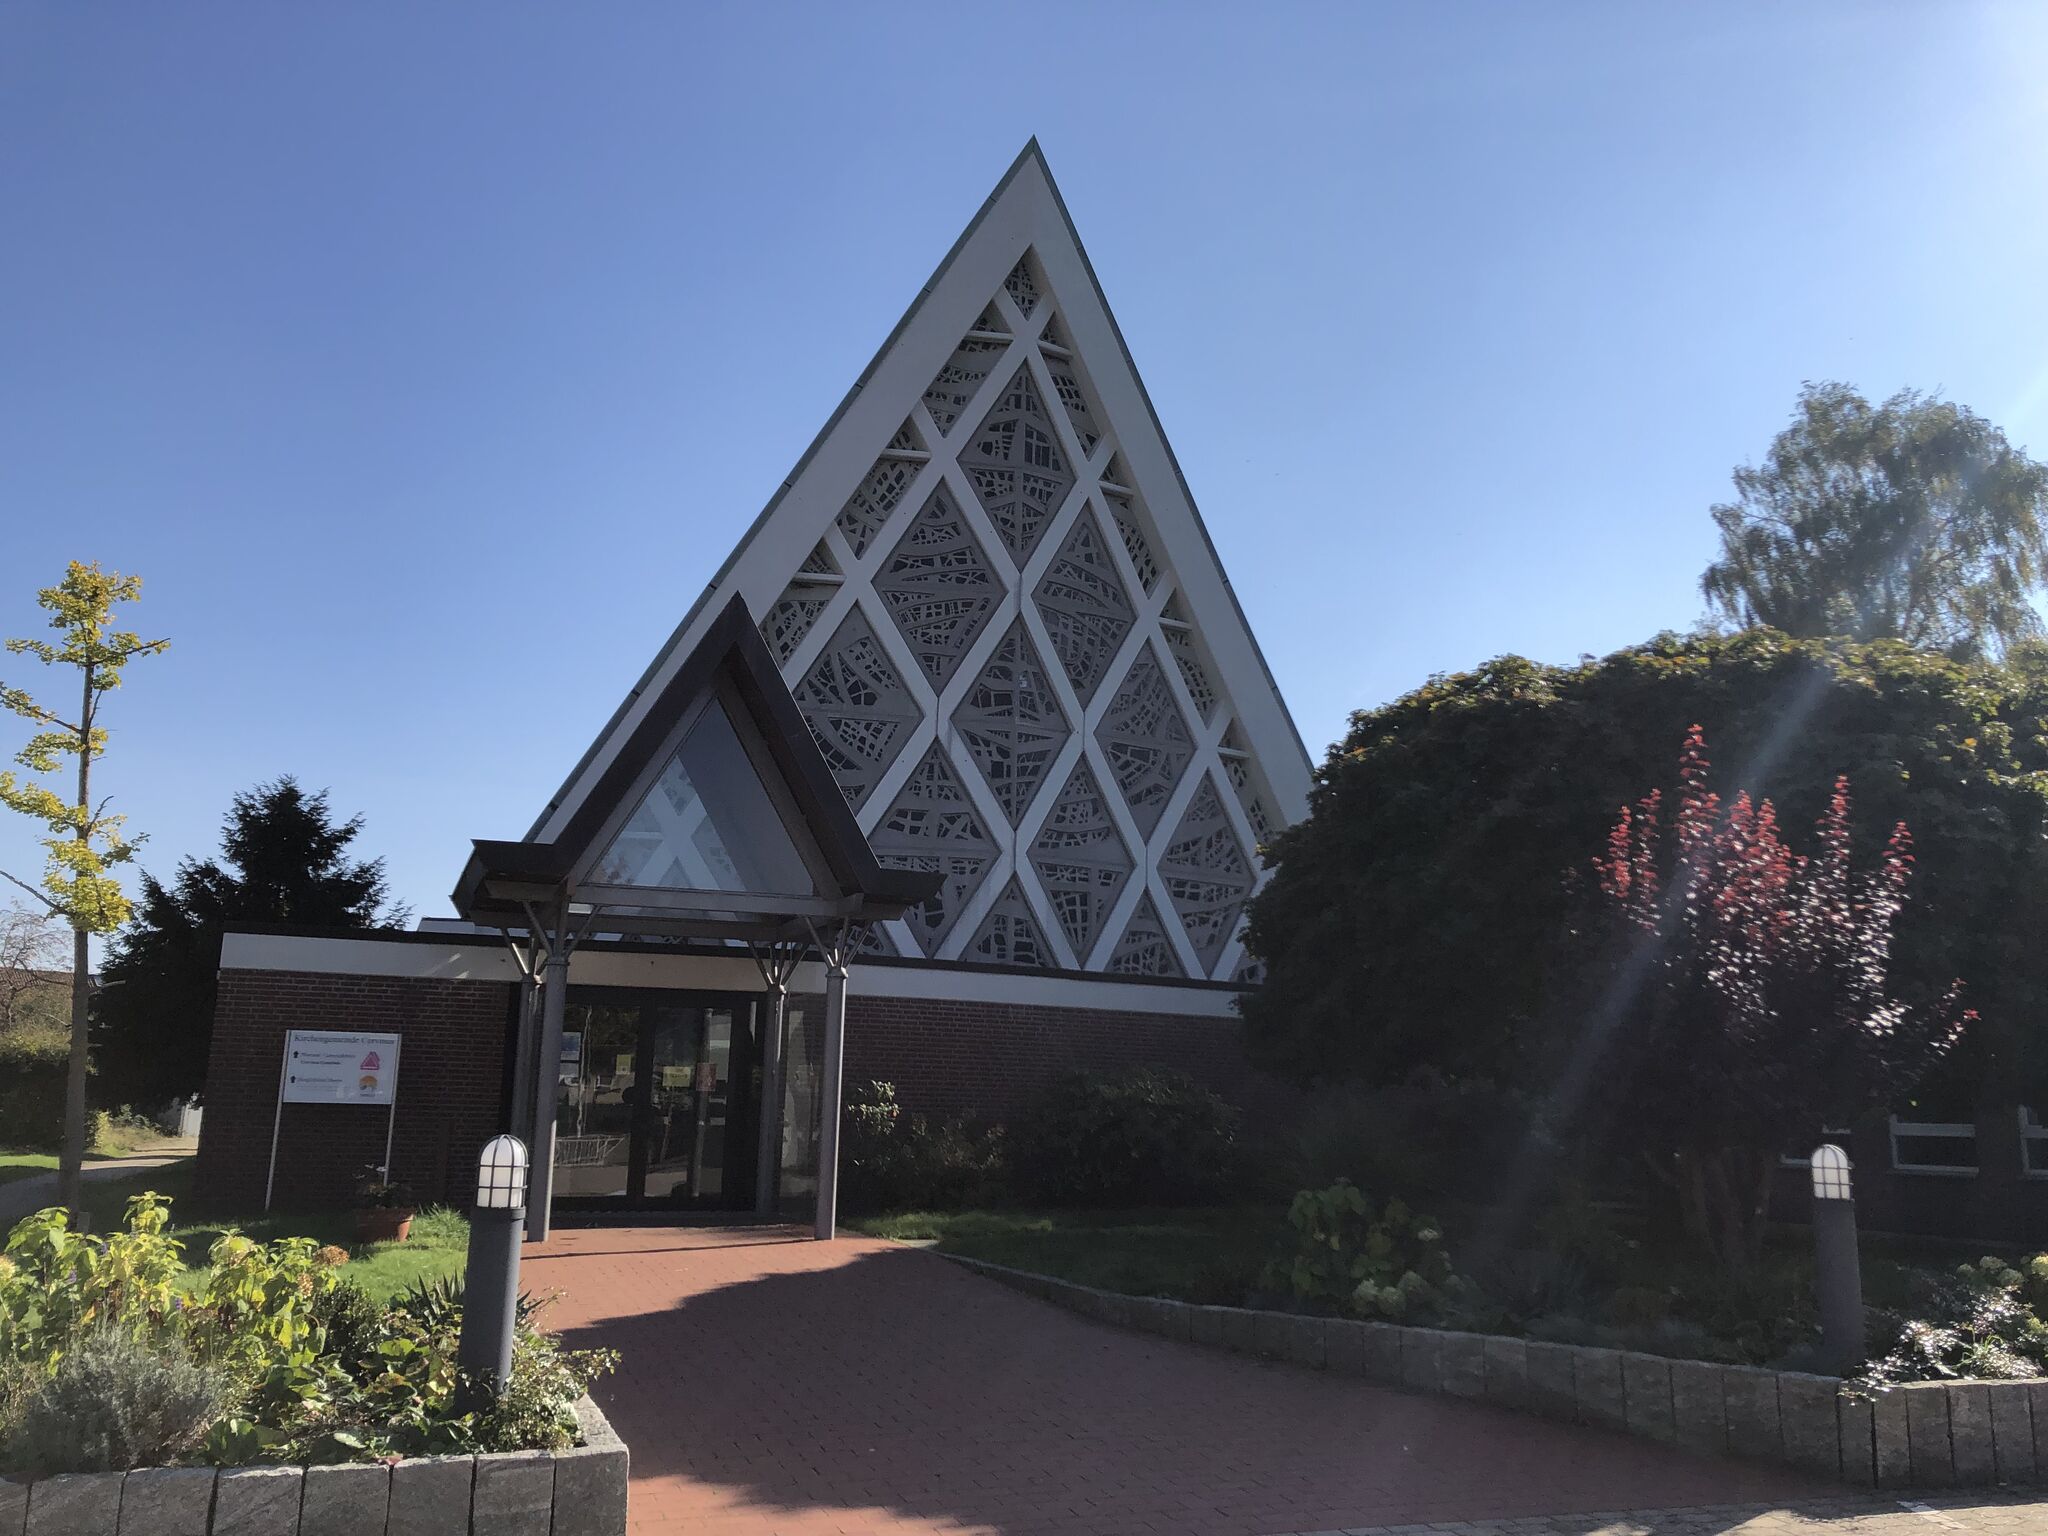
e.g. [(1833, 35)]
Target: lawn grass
[(437, 1248), (25, 1165), (1205, 1254)]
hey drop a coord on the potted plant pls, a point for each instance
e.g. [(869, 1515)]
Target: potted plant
[(384, 1209)]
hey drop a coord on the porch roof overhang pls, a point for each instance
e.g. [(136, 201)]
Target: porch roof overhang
[(517, 884)]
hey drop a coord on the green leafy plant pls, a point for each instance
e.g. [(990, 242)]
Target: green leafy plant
[(376, 1189), (1385, 1263), (1988, 1320), (1143, 1137), (893, 1160), (57, 1285)]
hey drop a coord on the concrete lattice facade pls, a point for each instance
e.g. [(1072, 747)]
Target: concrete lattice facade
[(994, 602)]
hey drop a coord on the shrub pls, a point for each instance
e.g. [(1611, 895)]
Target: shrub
[(1427, 1137), (116, 1400), (32, 1088), (893, 1161), (1370, 1263), (1987, 1320), (1145, 1137)]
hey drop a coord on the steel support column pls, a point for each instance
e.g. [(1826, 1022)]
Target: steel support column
[(768, 1156), (546, 1086), (830, 1088)]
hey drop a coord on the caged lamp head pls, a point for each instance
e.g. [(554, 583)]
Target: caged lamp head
[(1830, 1173), (501, 1174)]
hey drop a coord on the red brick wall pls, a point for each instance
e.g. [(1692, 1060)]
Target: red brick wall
[(450, 1087), (991, 1058), (944, 1058)]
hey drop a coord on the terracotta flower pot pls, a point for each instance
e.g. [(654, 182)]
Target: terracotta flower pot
[(383, 1224)]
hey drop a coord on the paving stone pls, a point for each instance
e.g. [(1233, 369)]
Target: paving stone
[(1148, 1314), (1646, 1395), (1927, 1428), (1461, 1364), (590, 1481), (1892, 1439), (1809, 1422), (1507, 1371), (345, 1501), (1422, 1359), (13, 1506), (1596, 1381), (166, 1501), (258, 1501), (515, 1493), (1274, 1332), (2037, 1404), (2012, 1431), (1970, 1432), (430, 1496), (75, 1504), (1305, 1341), (1241, 1330), (1551, 1389), (1752, 1399), (1855, 1421), (1699, 1412)]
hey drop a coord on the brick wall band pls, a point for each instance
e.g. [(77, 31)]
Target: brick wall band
[(451, 1087), (945, 1058)]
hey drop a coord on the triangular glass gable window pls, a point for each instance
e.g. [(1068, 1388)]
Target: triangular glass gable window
[(707, 824)]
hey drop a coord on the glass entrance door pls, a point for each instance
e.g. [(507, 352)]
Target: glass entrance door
[(659, 1101)]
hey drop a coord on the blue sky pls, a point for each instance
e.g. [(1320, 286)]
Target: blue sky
[(427, 360)]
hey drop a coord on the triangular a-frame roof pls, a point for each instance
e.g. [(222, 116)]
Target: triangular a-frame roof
[(986, 573), (715, 817)]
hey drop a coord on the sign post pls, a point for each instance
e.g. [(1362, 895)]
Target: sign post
[(330, 1067)]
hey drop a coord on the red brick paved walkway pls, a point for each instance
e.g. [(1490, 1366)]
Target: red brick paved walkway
[(776, 1385)]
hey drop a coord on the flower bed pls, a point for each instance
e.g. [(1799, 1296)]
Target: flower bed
[(1918, 1434), (117, 1366)]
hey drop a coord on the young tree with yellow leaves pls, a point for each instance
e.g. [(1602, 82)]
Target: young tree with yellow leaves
[(84, 842)]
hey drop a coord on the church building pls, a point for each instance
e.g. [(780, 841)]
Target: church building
[(955, 776)]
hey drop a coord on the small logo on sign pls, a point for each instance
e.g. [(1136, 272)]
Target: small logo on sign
[(371, 1063)]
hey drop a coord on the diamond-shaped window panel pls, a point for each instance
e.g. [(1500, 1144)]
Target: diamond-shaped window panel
[(1130, 527), (1011, 723), (867, 509), (1206, 875), (1188, 655), (792, 615), (939, 587), (933, 827), (1145, 949), (1066, 383), (1015, 465), (1145, 741), (1009, 935), (1085, 608), (972, 361), (1081, 860), (858, 710), (1022, 284)]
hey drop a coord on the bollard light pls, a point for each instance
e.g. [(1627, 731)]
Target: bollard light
[(501, 1175), (1831, 1173), (1837, 1270), (490, 1288)]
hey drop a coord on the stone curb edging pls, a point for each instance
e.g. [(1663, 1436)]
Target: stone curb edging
[(577, 1492), (1929, 1434)]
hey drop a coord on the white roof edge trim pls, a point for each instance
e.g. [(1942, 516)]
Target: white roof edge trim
[(491, 961)]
